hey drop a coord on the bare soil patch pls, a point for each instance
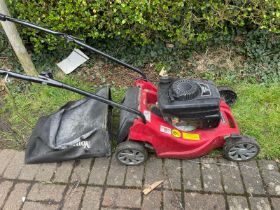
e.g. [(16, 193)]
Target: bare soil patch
[(117, 76), (221, 58)]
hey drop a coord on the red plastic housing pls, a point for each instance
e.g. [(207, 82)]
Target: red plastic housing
[(167, 140)]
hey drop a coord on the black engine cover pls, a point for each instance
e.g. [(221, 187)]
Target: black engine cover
[(189, 99)]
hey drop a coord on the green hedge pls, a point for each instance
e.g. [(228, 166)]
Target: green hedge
[(145, 21)]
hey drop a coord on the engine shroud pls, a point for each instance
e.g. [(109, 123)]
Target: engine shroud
[(190, 99)]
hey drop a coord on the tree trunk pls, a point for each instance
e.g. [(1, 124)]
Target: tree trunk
[(16, 42)]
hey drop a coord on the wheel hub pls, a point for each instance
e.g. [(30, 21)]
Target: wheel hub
[(243, 151), (131, 157)]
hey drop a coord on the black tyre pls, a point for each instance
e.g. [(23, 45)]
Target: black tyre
[(241, 148), (228, 95), (131, 153)]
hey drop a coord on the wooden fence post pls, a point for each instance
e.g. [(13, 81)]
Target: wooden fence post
[(16, 42)]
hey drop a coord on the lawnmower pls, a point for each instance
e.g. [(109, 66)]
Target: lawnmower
[(179, 118)]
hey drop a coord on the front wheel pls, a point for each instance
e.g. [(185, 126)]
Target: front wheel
[(131, 153), (240, 149)]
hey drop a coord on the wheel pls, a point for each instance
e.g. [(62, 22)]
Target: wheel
[(241, 148), (131, 153), (228, 95)]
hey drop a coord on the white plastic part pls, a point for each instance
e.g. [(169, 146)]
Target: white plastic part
[(73, 61)]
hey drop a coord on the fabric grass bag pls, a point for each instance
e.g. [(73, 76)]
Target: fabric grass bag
[(79, 129)]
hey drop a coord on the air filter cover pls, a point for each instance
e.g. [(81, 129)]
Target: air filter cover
[(189, 98), (184, 89)]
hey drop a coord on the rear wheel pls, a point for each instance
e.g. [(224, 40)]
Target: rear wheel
[(242, 148), (131, 153), (228, 95)]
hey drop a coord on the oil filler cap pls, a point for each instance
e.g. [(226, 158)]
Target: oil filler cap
[(165, 79)]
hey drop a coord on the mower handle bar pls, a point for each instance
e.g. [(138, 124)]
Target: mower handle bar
[(70, 38), (54, 83)]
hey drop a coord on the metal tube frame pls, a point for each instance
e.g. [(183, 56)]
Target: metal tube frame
[(54, 83)]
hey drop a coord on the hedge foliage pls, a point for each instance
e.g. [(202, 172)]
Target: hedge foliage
[(145, 21)]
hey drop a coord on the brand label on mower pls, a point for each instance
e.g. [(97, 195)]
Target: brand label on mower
[(191, 136), (164, 129), (176, 133)]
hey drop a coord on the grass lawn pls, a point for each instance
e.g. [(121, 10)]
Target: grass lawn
[(257, 112)]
